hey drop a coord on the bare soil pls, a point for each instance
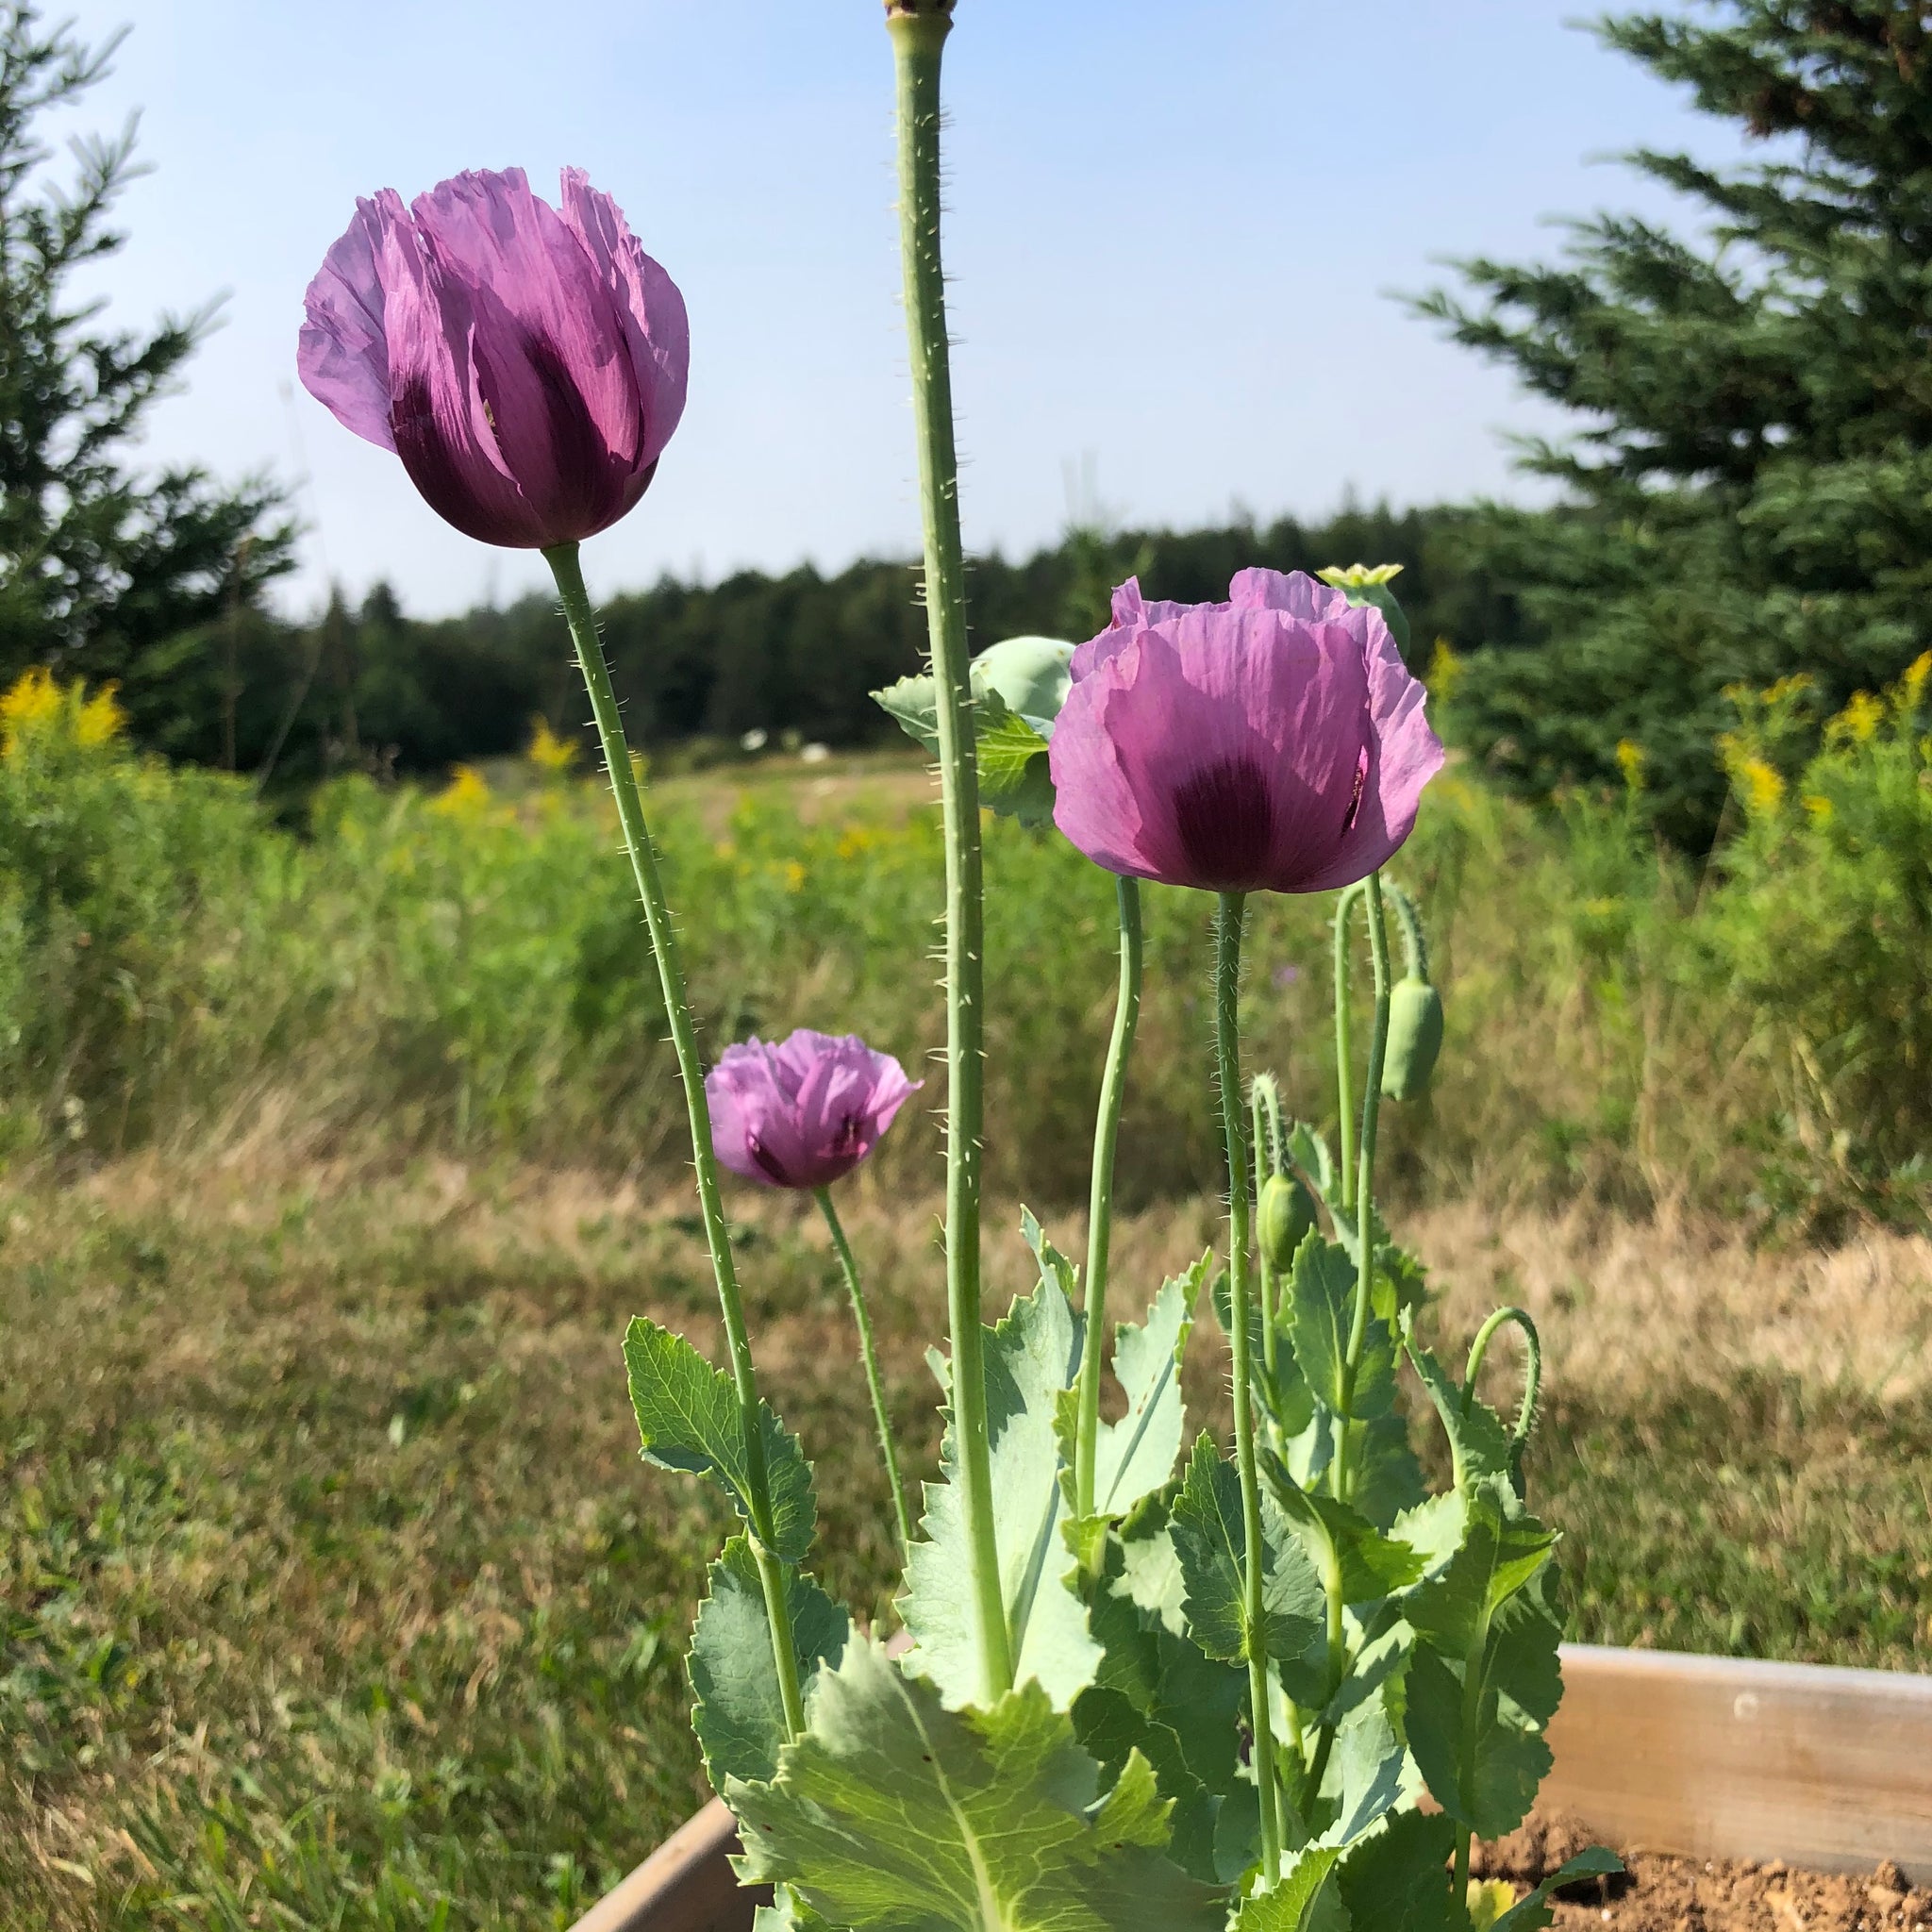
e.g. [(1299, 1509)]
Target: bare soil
[(1663, 1894)]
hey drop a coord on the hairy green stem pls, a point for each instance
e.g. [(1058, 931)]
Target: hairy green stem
[(1365, 1185), (869, 1354), (919, 29), (1415, 943), (1230, 908), (1344, 1046), (1106, 1127), (1532, 1378), (1265, 1140), (564, 566)]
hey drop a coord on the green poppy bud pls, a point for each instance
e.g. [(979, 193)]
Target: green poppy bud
[(1287, 1212), (1415, 1038)]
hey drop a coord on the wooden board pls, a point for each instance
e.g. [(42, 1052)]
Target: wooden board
[(1725, 1757), (686, 1885), (1712, 1757)]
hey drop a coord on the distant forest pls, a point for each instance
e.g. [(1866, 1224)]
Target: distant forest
[(372, 687)]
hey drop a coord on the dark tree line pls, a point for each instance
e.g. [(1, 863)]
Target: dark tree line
[(1748, 493), (799, 651)]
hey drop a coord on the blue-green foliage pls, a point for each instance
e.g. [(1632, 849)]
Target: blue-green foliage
[(1414, 1639)]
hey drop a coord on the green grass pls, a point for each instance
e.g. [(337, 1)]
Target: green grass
[(334, 1593)]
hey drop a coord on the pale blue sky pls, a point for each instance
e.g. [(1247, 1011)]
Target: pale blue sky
[(1174, 227)]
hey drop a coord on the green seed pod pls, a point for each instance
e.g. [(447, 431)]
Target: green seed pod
[(1287, 1212), (1415, 1039)]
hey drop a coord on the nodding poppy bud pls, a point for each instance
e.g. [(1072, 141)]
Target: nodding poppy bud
[(1285, 1213), (1415, 1010), (1415, 1038)]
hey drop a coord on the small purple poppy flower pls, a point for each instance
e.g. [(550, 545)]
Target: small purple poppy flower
[(527, 363), (1275, 743), (802, 1113)]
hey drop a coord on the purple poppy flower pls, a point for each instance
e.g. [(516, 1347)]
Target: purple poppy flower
[(802, 1113), (1273, 743), (527, 363)]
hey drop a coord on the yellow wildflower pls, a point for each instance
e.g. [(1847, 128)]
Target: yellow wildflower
[(1762, 785), (794, 876), (1860, 719), (550, 754), (1819, 807), (467, 797), (1911, 687), (1630, 762), (35, 703), (98, 720), (31, 700), (1446, 671)]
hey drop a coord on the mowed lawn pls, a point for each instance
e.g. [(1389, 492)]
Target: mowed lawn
[(333, 1593)]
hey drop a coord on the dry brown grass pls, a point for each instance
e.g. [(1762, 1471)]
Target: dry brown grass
[(328, 1572)]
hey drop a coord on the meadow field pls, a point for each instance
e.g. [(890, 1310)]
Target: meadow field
[(332, 1591)]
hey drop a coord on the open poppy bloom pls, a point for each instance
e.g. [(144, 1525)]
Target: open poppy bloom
[(1275, 743), (805, 1112), (527, 363)]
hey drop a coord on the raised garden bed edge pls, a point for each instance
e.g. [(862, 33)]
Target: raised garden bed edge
[(1707, 1757)]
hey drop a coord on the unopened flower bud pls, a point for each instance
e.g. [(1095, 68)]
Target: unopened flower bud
[(1285, 1213), (1415, 1038)]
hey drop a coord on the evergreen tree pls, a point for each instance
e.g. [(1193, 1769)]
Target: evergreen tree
[(109, 574), (1752, 494)]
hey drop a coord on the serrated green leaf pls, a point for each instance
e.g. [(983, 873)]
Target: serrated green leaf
[(1368, 1563), (1380, 1651), (1053, 1265), (1479, 1445), (1211, 1542), (787, 1912), (1533, 1914), (1014, 778), (1031, 1359), (893, 1813), (1291, 1906), (1487, 1778), (1398, 1878), (1503, 1550), (1433, 1528), (1308, 1150), (1135, 1455), (1402, 1284), (1111, 1729), (912, 703), (1321, 1300), (1150, 1571), (1384, 1478), (1285, 1397), (739, 1716), (1522, 1660), (1366, 1771), (1478, 1739), (688, 1417)]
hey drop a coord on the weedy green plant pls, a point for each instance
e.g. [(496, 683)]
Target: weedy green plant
[(1824, 923)]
